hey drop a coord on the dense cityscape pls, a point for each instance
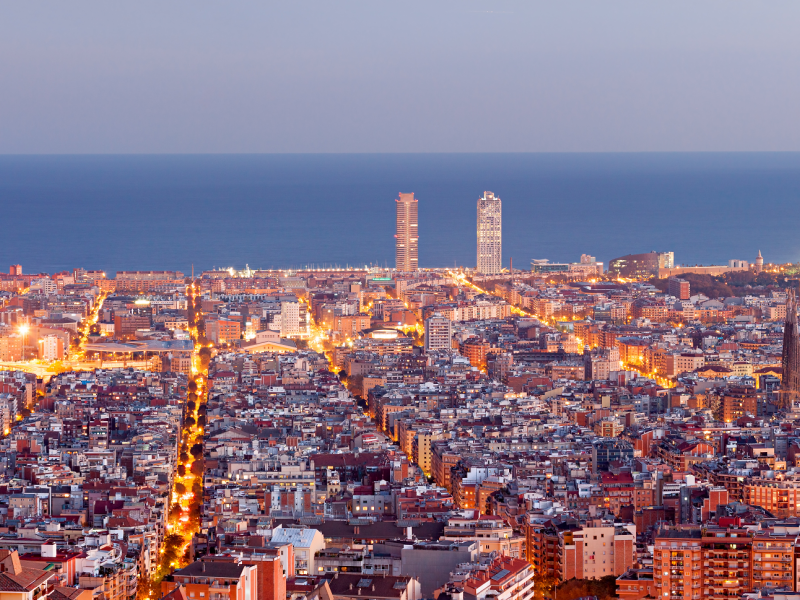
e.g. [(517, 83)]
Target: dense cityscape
[(545, 430)]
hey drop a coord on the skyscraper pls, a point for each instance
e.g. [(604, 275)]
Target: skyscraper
[(790, 379), (406, 252), (490, 234)]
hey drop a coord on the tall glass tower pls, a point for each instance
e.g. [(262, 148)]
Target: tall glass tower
[(407, 236), (490, 234)]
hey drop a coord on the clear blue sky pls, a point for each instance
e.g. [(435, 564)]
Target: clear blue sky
[(93, 76)]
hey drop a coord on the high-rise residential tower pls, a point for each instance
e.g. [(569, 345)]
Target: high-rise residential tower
[(406, 252), (438, 333), (490, 234)]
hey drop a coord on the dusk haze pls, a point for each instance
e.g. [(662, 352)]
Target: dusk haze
[(369, 300)]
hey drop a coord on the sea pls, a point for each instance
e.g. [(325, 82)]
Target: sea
[(291, 211)]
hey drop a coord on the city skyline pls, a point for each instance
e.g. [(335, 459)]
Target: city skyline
[(609, 197), (197, 404)]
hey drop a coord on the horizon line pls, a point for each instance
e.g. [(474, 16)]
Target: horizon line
[(394, 153)]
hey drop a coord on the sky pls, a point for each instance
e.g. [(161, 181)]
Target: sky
[(202, 76)]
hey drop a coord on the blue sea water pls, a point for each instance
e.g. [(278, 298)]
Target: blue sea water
[(284, 211)]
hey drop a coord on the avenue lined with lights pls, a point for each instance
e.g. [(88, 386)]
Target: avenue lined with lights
[(186, 496)]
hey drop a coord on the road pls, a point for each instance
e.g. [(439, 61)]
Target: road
[(76, 359), (186, 497), (79, 353), (462, 280), (662, 381)]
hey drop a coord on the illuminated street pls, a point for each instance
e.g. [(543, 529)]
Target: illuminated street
[(186, 496)]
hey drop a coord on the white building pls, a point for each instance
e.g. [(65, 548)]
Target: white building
[(290, 319), (306, 542), (51, 347), (44, 285), (438, 333), (490, 239)]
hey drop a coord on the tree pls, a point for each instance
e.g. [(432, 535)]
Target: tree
[(205, 356), (356, 384), (543, 588), (604, 588), (180, 488)]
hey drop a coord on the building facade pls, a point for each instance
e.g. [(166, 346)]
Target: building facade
[(290, 319), (717, 563), (438, 333), (641, 266), (51, 347), (407, 236), (597, 552), (790, 359), (680, 288), (490, 234)]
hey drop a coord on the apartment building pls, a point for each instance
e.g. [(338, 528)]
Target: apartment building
[(223, 331), (490, 234), (505, 578), (438, 333), (407, 236), (716, 563), (492, 533), (593, 552), (214, 580)]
